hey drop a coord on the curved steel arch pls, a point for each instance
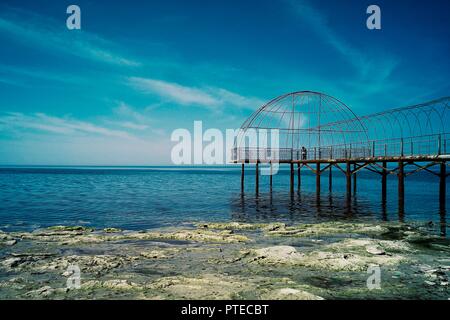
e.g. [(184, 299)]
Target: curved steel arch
[(322, 123)]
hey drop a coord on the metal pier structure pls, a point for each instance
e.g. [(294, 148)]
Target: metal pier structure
[(314, 131)]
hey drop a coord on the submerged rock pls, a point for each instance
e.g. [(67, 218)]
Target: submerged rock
[(225, 236), (112, 230), (16, 283), (6, 239), (375, 250), (159, 253), (225, 261), (228, 226), (241, 226), (45, 292), (206, 286), (77, 235), (326, 228), (439, 275), (346, 255), (87, 263), (278, 255), (11, 262), (114, 284), (70, 228), (41, 292), (290, 294), (10, 242)]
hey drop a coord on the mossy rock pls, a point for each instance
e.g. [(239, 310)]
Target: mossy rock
[(71, 228)]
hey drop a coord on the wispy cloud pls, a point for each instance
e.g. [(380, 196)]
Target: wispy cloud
[(83, 150), (174, 92), (29, 73), (63, 126), (372, 71), (127, 117), (129, 125), (39, 138), (35, 30), (319, 24), (11, 82), (210, 97)]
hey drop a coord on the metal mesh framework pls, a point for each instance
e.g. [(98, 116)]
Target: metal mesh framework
[(315, 126)]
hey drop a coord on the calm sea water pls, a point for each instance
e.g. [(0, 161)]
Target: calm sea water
[(149, 197)]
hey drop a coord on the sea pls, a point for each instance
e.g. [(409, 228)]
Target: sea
[(138, 198)]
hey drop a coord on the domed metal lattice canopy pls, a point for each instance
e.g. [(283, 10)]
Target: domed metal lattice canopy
[(303, 117), (303, 121), (315, 126)]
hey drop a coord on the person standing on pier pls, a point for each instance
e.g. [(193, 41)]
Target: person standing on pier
[(304, 153)]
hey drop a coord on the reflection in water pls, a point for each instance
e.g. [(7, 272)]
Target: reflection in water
[(295, 207), (443, 222), (384, 215), (307, 207)]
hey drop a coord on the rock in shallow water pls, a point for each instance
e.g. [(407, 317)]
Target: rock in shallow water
[(375, 250), (290, 294), (278, 255), (79, 235), (144, 268), (114, 284), (345, 255)]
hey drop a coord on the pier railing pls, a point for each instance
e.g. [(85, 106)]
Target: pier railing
[(412, 147)]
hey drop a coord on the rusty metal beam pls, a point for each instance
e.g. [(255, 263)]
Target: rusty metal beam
[(309, 167), (339, 167), (325, 168), (423, 168)]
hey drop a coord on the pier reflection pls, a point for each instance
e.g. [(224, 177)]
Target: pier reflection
[(307, 207), (295, 207), (443, 221)]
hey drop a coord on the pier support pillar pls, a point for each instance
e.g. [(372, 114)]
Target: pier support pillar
[(330, 179), (292, 178), (257, 178), (242, 178), (348, 176), (384, 182), (318, 179), (271, 176), (401, 187), (354, 179), (299, 178), (442, 186)]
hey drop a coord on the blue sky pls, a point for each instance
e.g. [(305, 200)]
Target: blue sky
[(112, 92)]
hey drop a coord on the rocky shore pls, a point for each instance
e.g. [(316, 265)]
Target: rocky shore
[(226, 261)]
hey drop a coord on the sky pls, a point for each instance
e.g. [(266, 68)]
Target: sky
[(113, 92)]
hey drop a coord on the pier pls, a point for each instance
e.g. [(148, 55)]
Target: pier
[(319, 133)]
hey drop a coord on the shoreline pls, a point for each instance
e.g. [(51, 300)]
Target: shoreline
[(230, 260)]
